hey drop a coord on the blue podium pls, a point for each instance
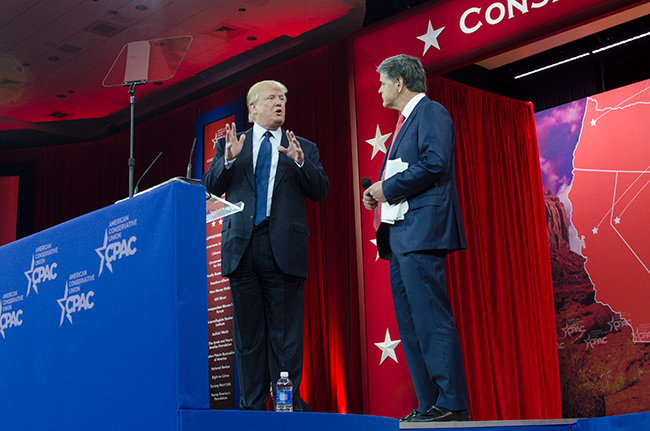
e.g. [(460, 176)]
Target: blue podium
[(103, 322)]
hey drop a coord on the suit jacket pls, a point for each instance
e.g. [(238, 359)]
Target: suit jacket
[(433, 221), (287, 222)]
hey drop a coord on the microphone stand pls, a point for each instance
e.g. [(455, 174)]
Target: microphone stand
[(132, 85)]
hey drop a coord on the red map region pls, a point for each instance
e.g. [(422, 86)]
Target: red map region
[(610, 197)]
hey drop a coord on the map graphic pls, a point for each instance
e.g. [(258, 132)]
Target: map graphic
[(596, 160)]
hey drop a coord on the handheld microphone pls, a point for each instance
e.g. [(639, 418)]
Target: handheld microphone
[(135, 190), (365, 183), (189, 166)]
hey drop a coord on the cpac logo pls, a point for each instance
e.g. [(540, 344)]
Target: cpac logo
[(109, 253), (593, 342), (38, 274), (73, 303), (10, 320)]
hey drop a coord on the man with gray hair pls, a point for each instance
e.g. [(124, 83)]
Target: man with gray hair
[(418, 244), (264, 247)]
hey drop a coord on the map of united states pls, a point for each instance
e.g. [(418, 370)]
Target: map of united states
[(610, 201)]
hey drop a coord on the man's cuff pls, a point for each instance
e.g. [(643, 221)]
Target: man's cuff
[(228, 164)]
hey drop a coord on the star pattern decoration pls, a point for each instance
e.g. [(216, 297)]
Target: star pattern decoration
[(100, 252), (565, 329), (214, 141), (593, 122), (62, 303), (28, 274), (374, 242), (594, 231), (388, 348), (430, 38), (617, 220), (378, 142)]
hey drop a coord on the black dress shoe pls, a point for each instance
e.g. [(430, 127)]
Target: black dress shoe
[(437, 414), (409, 416)]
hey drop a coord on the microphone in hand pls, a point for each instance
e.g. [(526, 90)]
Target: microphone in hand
[(365, 183)]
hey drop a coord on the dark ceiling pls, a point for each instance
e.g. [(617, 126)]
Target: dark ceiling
[(231, 43)]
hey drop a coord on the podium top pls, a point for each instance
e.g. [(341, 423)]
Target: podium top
[(215, 207)]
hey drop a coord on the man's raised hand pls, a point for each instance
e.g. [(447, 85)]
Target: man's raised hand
[(233, 145)]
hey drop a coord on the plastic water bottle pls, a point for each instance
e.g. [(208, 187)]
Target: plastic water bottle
[(284, 393)]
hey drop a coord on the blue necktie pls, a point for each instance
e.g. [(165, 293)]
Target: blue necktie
[(262, 170)]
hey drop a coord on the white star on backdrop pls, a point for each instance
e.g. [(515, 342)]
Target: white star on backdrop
[(592, 122), (431, 38), (594, 230), (617, 220), (214, 141), (388, 348), (378, 142)]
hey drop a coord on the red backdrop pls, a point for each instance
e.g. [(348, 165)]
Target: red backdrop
[(8, 208)]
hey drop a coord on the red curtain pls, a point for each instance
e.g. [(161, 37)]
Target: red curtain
[(501, 287), (8, 208)]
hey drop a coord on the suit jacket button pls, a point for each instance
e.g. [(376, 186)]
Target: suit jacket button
[(251, 217)]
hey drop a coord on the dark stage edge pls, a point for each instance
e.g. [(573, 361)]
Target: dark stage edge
[(226, 420), (235, 420), (519, 425)]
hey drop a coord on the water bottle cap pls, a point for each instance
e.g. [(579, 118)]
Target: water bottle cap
[(284, 374)]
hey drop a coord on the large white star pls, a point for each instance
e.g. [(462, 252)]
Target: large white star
[(28, 274), (388, 348), (62, 303), (100, 253), (431, 38), (378, 142)]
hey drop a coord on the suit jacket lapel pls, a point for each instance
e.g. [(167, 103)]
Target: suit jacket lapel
[(283, 161), (405, 126), (400, 135), (247, 157)]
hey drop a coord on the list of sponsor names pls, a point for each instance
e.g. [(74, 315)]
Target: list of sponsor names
[(221, 351)]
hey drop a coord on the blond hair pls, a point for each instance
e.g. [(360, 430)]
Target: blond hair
[(255, 91)]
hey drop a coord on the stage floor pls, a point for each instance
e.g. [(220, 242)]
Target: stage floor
[(225, 420), (519, 425)]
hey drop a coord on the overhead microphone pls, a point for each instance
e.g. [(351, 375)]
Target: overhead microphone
[(365, 183), (135, 190)]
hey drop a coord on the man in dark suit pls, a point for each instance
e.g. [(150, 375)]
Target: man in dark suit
[(417, 245), (264, 247)]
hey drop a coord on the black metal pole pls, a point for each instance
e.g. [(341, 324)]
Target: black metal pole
[(132, 86)]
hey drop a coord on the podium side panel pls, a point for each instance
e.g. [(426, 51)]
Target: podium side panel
[(89, 325), (191, 298)]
